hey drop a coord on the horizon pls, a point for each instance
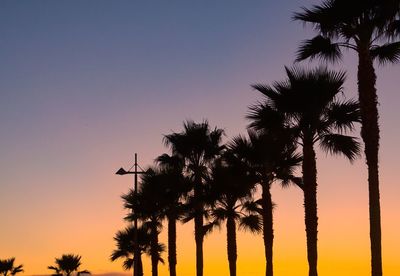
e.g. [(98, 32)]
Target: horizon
[(86, 85)]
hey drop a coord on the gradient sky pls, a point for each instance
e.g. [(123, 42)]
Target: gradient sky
[(85, 84)]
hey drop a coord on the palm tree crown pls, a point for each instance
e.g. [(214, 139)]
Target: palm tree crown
[(309, 101), (196, 144), (353, 25), (67, 265), (7, 267)]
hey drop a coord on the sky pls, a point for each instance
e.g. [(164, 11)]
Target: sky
[(86, 84)]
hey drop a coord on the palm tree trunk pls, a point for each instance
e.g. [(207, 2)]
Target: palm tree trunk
[(198, 226), (136, 250), (154, 249), (231, 245), (310, 203), (268, 231), (370, 135), (140, 264), (198, 232), (172, 245)]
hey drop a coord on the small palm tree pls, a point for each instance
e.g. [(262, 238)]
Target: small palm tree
[(198, 146), (231, 188), (148, 206), (270, 155), (314, 114), (173, 186), (125, 247), (371, 28), (67, 265), (7, 267)]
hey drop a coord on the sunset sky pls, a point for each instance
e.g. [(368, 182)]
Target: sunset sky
[(86, 84)]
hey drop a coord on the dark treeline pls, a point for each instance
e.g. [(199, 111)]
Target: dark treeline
[(66, 265), (214, 184)]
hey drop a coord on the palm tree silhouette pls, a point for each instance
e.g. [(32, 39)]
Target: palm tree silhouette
[(173, 186), (7, 267), (67, 265), (198, 146), (371, 28), (271, 157), (231, 189), (125, 247), (309, 101), (148, 206)]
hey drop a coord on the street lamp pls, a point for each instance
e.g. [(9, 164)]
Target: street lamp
[(136, 250)]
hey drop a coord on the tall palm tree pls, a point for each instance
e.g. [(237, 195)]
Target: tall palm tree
[(198, 145), (271, 157), (125, 247), (231, 189), (7, 267), (173, 186), (309, 101), (67, 265), (372, 29), (148, 206)]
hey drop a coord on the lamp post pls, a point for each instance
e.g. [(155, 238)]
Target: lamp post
[(136, 249)]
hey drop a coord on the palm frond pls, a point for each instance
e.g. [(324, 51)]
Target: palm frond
[(319, 47), (170, 162), (116, 254), (251, 223), (263, 116), (128, 263), (341, 144), (324, 18), (252, 206), (53, 268), (17, 269), (288, 179), (266, 90), (209, 227), (342, 115), (389, 52), (219, 214), (298, 181), (188, 216), (394, 28), (317, 14)]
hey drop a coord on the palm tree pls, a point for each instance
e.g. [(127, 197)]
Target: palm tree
[(231, 189), (198, 146), (173, 186), (271, 157), (148, 206), (67, 265), (372, 29), (7, 267), (125, 247), (309, 101)]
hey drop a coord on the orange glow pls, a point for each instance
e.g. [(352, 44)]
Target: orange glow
[(343, 237)]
